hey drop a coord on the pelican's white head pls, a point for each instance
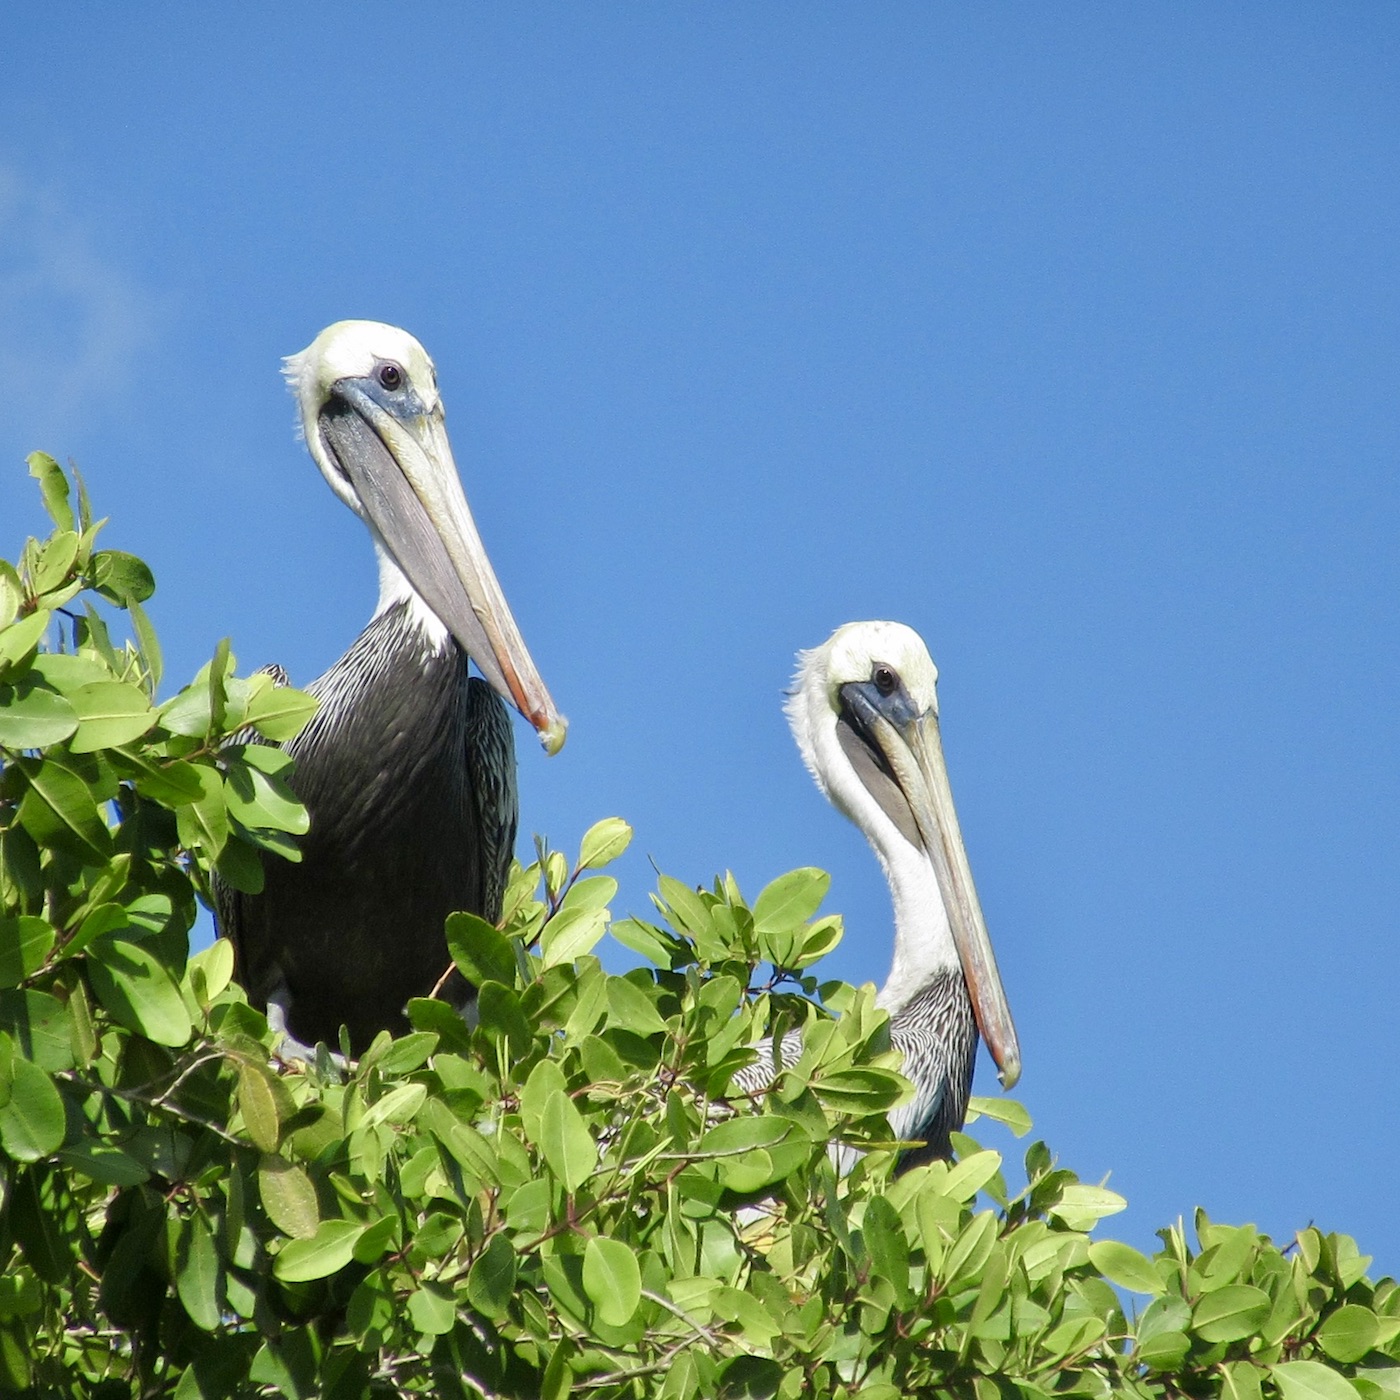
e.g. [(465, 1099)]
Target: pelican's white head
[(373, 421)]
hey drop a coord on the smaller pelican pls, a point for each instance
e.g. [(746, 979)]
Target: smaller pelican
[(864, 712)]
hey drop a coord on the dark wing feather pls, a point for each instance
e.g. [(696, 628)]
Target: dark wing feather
[(491, 768)]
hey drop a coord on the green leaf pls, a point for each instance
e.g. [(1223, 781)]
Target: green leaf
[(32, 1124), (288, 1197), (790, 900), (737, 1135), (55, 562), (53, 486), (399, 1106), (1231, 1313), (1125, 1266), (330, 1249), (19, 638), (565, 1141), (1081, 1206), (482, 952), (138, 990), (861, 1090), (109, 713), (491, 1280), (214, 968), (41, 1026), (604, 842), (147, 643), (197, 1274), (631, 1008), (499, 1014), (1349, 1333), (1243, 1380), (432, 1309), (258, 1105), (103, 1162), (650, 942), (280, 712), (888, 1247), (611, 1279), (1311, 1380), (25, 944), (545, 1081), (966, 1178), (570, 934), (263, 800), (32, 717), (122, 577), (1000, 1110), (203, 824), (59, 809)]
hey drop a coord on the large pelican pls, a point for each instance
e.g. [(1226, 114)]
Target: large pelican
[(408, 767), (864, 712)]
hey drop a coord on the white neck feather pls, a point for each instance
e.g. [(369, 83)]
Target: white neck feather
[(923, 940), (394, 588)]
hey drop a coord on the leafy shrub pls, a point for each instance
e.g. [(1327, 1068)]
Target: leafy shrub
[(564, 1198)]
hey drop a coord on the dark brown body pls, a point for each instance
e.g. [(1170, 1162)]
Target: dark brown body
[(408, 773)]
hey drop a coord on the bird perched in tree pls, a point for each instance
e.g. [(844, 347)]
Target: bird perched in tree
[(864, 712), (407, 769)]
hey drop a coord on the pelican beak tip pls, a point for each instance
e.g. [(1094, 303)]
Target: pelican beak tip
[(553, 734), (1009, 1074)]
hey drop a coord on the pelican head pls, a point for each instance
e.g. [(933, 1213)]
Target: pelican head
[(864, 711), (373, 421)]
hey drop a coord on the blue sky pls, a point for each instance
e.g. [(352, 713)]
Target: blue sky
[(1066, 334)]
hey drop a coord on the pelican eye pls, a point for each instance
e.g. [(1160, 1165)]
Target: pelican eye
[(886, 681), (391, 377)]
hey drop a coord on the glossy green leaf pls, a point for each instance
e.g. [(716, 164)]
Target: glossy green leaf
[(491, 1279), (25, 944), (260, 799), (570, 934), (1349, 1333), (329, 1250), (432, 1309), (20, 637), (603, 843), (258, 1105), (1231, 1313), (482, 953), (122, 577), (32, 1124), (60, 809), (288, 1197), (611, 1279), (1311, 1380), (53, 486), (887, 1246), (109, 713), (1000, 1110), (1125, 1266), (566, 1143), (1082, 1206), (280, 712), (790, 900), (197, 1274), (32, 717), (138, 990), (41, 1025)]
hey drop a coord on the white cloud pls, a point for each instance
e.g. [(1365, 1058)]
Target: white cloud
[(72, 325)]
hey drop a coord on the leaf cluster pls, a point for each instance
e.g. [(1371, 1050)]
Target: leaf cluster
[(567, 1194)]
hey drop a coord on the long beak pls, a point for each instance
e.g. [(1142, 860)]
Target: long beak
[(406, 479), (915, 753)]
